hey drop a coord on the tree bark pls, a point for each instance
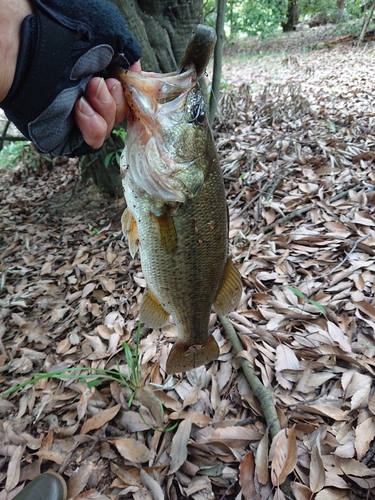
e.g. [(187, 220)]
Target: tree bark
[(216, 79), (292, 14), (366, 23), (163, 28)]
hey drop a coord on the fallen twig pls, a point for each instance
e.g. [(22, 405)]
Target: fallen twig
[(292, 215), (224, 496), (301, 211), (263, 394), (70, 197), (105, 243), (356, 243)]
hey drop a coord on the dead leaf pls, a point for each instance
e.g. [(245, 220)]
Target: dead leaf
[(331, 494), (78, 480), (337, 335), (246, 476), (152, 485), (261, 460), (179, 450), (285, 360), (235, 436), (366, 308), (88, 289), (148, 399), (101, 418), (14, 468), (364, 435), (352, 467), (317, 473), (300, 491), (132, 450), (357, 386), (283, 455)]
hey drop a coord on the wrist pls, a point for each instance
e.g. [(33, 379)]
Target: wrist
[(12, 15)]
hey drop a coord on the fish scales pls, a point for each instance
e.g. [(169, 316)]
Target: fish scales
[(186, 278), (176, 213)]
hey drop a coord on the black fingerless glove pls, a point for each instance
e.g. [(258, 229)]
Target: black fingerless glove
[(62, 46)]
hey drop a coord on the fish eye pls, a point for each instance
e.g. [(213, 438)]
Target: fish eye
[(198, 113)]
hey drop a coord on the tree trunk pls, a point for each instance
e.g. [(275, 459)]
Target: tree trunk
[(366, 23), (163, 28), (340, 8), (292, 14), (216, 79)]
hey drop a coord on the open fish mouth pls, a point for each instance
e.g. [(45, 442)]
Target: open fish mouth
[(168, 123)]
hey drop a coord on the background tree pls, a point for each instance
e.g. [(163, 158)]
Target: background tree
[(366, 22), (216, 79), (256, 17), (292, 16)]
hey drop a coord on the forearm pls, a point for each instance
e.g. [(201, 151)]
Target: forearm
[(11, 17)]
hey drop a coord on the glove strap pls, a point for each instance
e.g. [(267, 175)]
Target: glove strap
[(54, 47)]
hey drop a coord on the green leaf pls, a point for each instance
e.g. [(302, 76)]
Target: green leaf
[(319, 306), (108, 158), (297, 292), (93, 383)]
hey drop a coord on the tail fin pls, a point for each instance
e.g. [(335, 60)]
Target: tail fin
[(185, 357)]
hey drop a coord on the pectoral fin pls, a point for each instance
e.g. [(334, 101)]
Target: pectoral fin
[(185, 357), (152, 313), (230, 291), (129, 228), (167, 230)]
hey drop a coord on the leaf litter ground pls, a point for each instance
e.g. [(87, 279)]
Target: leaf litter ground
[(295, 137)]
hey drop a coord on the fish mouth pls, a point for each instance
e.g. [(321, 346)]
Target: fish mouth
[(143, 90), (167, 148)]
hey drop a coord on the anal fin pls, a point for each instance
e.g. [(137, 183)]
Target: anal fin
[(230, 291), (152, 313), (129, 228), (167, 230), (185, 357)]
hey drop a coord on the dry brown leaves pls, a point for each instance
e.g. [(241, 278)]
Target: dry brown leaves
[(296, 145)]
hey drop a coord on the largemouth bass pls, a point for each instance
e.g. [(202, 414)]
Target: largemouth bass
[(176, 213)]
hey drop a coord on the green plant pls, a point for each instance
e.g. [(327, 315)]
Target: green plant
[(93, 376), (20, 153), (306, 299), (116, 155), (255, 17), (133, 361)]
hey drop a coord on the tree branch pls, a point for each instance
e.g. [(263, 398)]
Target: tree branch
[(263, 394)]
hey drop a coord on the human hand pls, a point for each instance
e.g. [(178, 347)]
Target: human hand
[(63, 45), (101, 108)]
